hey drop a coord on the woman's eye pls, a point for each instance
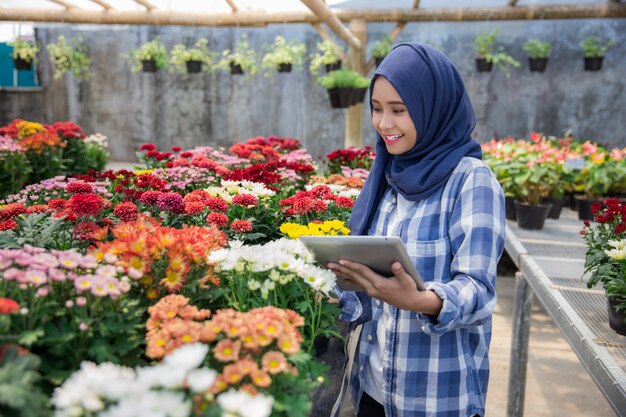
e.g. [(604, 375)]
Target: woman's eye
[(376, 109), (399, 111)]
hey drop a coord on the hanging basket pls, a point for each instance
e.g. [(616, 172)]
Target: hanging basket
[(593, 63), (284, 67), (378, 60), (148, 65), (538, 64), (333, 67), (235, 69), (482, 65), (340, 98), (194, 67), (22, 65), (358, 95)]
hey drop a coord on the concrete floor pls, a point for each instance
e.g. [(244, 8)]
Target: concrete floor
[(557, 384)]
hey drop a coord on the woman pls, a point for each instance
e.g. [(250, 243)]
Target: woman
[(424, 353)]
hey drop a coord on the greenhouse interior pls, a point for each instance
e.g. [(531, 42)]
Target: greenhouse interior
[(314, 208)]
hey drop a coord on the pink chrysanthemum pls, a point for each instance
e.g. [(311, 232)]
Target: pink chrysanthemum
[(172, 202), (241, 226), (86, 204), (126, 211), (150, 197), (245, 200), (217, 219), (79, 187)]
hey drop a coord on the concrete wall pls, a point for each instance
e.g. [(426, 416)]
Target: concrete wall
[(219, 109)]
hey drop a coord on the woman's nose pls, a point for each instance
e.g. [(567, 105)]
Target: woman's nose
[(386, 122)]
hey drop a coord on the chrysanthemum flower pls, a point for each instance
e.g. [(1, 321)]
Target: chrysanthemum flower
[(217, 219), (150, 197), (126, 211), (78, 187), (8, 225), (241, 226), (227, 350), (194, 207), (217, 204), (245, 200), (8, 306), (172, 202), (86, 204), (274, 362)]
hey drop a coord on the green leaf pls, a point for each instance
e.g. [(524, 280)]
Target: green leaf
[(30, 337)]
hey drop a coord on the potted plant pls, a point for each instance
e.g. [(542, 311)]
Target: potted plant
[(538, 52), (282, 55), (327, 56), (192, 60), (599, 176), (593, 52), (381, 48), (70, 56), (605, 257), (24, 53), (149, 57), (239, 60), (484, 44), (345, 87)]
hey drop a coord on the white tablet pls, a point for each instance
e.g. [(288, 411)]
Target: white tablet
[(377, 252)]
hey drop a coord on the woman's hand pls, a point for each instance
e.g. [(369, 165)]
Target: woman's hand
[(399, 290)]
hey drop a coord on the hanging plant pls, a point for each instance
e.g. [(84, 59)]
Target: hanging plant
[(345, 87), (24, 53), (282, 55), (327, 55), (381, 49), (538, 52), (484, 44), (192, 60), (240, 60), (70, 56), (149, 57), (593, 52)]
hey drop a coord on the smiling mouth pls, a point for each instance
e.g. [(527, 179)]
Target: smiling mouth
[(392, 138)]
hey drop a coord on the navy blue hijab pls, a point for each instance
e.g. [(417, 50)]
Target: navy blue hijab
[(435, 96)]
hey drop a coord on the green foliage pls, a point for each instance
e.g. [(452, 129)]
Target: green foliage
[(153, 50), (70, 56), (537, 49), (45, 164), (26, 50), (593, 47), (382, 48), (327, 54), (14, 172), (180, 55), (484, 44), (343, 78), (283, 52), (20, 395), (41, 230), (80, 156), (242, 55)]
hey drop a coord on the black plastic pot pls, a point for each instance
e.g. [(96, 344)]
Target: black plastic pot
[(482, 65), (378, 60), (358, 95), (593, 63), (148, 65), (584, 207), (235, 68), (333, 67), (340, 98), (22, 65), (194, 67), (284, 67), (557, 206), (531, 217), (617, 319), (538, 64), (509, 208)]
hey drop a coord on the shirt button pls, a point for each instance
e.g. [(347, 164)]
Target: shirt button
[(369, 337), (377, 302), (394, 201)]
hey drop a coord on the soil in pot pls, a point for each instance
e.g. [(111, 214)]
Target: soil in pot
[(531, 217), (538, 64), (333, 66), (284, 67), (593, 63), (482, 65), (148, 65), (22, 65), (617, 319), (194, 67)]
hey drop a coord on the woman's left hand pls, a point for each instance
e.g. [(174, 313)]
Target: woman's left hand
[(399, 290)]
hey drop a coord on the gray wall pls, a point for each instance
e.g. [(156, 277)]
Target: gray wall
[(219, 109)]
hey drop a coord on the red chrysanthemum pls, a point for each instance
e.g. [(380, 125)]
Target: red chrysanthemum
[(11, 210), (85, 231), (86, 204), (620, 228), (245, 200), (79, 187), (126, 211), (57, 204), (176, 149), (38, 208), (217, 219), (194, 207), (67, 215), (197, 196), (186, 155), (217, 203), (241, 226), (148, 147), (150, 197), (344, 202), (308, 205), (8, 306), (172, 202), (8, 225)]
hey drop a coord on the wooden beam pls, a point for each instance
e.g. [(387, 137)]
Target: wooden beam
[(255, 18), (356, 62), (512, 3), (65, 4), (393, 35), (326, 36), (232, 5), (104, 4), (149, 6), (416, 4), (326, 15)]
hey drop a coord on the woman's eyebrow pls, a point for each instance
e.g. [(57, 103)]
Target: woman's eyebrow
[(389, 102)]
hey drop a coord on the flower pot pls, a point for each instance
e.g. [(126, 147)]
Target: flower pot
[(538, 64), (148, 65), (482, 65), (284, 67), (22, 65), (584, 207), (358, 95), (557, 205), (617, 319), (593, 63), (194, 67), (531, 217), (235, 68), (509, 208), (378, 60), (340, 98), (333, 67)]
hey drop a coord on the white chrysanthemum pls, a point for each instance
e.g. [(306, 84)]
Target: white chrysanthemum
[(617, 244), (350, 193), (200, 380), (165, 376), (253, 284), (243, 404), (617, 254), (217, 256), (151, 404), (187, 357)]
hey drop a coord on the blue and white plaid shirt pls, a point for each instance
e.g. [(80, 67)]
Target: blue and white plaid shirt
[(438, 366)]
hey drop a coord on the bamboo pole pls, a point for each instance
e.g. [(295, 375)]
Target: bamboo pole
[(326, 15), (512, 3), (232, 5), (255, 18), (356, 62), (326, 36), (416, 4), (65, 4), (149, 6), (103, 4)]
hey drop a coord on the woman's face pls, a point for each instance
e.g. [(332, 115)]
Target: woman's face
[(391, 118)]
